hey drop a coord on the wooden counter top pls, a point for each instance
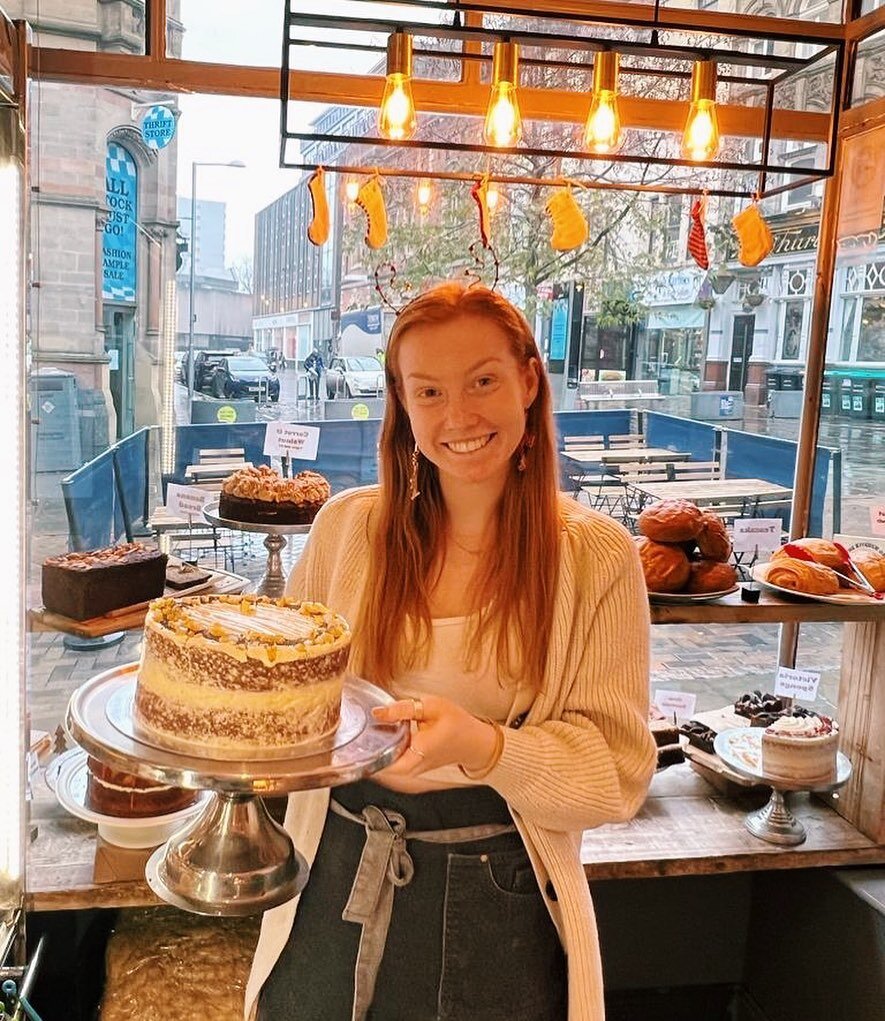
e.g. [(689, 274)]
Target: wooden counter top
[(685, 828), (769, 610)]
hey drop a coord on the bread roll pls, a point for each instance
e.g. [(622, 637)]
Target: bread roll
[(821, 550), (710, 576), (871, 565), (802, 576), (666, 568), (670, 521), (713, 541)]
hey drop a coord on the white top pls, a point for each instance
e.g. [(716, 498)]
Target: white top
[(480, 691)]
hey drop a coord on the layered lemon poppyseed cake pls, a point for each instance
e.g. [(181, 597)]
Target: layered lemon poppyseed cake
[(232, 676)]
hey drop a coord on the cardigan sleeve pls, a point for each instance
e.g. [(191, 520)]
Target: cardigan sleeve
[(593, 764)]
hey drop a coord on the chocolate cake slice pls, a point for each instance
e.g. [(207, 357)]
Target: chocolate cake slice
[(84, 585)]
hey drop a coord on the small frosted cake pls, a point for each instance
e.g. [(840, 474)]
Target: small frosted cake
[(263, 496), (801, 749), (111, 792), (240, 676)]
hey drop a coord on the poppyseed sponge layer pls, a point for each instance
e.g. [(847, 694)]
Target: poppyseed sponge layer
[(232, 676)]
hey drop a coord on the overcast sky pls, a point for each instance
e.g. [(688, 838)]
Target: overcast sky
[(222, 129)]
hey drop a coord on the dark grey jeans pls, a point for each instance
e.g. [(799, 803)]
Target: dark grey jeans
[(470, 937)]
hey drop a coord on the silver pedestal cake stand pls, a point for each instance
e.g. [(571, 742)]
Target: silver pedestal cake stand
[(741, 749), (231, 859), (273, 583)]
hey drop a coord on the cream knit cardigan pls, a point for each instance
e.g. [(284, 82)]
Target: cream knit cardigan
[(584, 756)]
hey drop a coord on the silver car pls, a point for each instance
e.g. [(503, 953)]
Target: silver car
[(355, 376)]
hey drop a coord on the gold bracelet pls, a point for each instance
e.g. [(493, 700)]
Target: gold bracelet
[(496, 753)]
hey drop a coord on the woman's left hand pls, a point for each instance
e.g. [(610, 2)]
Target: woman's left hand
[(446, 735)]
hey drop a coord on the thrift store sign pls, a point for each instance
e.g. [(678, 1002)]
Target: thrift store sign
[(118, 243), (286, 440)]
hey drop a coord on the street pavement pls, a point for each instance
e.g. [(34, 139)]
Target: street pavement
[(717, 663)]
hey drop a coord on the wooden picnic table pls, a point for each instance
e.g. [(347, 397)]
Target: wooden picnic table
[(624, 455), (708, 491)]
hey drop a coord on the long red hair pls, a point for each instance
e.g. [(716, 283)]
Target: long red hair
[(516, 586)]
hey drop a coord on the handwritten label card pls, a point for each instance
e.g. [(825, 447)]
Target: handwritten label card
[(877, 518), (681, 703), (797, 683), (187, 501), (287, 440), (750, 534)]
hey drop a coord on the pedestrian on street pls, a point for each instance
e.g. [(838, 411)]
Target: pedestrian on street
[(511, 626), (313, 366)]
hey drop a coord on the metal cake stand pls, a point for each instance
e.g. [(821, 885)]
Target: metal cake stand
[(741, 749), (273, 583), (231, 859)]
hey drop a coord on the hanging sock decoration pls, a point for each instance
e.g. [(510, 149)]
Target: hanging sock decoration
[(570, 228), (371, 200), (754, 235), (697, 242), (318, 229), (479, 193)]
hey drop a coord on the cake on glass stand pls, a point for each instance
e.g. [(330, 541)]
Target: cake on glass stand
[(740, 748), (232, 858)]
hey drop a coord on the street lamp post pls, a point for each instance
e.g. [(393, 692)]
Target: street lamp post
[(193, 255)]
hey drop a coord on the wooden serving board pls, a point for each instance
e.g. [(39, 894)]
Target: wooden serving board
[(128, 617)]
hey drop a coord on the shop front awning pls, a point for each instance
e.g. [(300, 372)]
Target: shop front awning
[(675, 317)]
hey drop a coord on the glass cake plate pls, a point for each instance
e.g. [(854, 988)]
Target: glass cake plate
[(231, 858), (740, 748), (70, 786)]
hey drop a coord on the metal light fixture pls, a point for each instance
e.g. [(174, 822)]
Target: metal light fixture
[(602, 131), (503, 124), (396, 115), (700, 140)]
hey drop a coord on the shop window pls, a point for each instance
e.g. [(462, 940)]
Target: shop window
[(793, 330), (871, 332)]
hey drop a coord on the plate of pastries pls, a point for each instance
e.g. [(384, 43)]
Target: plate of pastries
[(822, 570), (684, 553)]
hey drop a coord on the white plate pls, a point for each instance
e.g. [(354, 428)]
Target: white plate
[(851, 598), (70, 789), (690, 597)]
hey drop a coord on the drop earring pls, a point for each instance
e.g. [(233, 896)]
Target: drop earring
[(414, 492), (526, 444)]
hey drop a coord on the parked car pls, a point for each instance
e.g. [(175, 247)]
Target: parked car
[(244, 376), (206, 362), (355, 376)]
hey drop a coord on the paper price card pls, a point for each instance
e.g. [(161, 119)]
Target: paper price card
[(287, 440), (679, 702), (796, 683), (877, 518), (750, 534), (187, 501)]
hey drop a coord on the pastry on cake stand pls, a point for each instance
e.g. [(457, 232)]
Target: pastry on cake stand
[(273, 582), (740, 748), (232, 859)]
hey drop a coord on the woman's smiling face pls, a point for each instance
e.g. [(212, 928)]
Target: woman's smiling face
[(466, 395)]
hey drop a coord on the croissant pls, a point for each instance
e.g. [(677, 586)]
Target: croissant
[(803, 576), (822, 550), (872, 566)]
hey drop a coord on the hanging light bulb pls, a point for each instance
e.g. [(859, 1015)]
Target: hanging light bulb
[(493, 196), (700, 140), (396, 115), (424, 193), (503, 126), (602, 132), (351, 189)]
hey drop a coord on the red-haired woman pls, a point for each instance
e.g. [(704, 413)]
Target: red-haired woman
[(511, 625)]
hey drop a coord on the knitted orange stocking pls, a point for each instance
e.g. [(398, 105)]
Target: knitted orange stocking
[(371, 200), (318, 229), (754, 235), (569, 224)]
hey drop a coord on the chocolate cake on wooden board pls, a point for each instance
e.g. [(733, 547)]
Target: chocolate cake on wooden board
[(92, 583)]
